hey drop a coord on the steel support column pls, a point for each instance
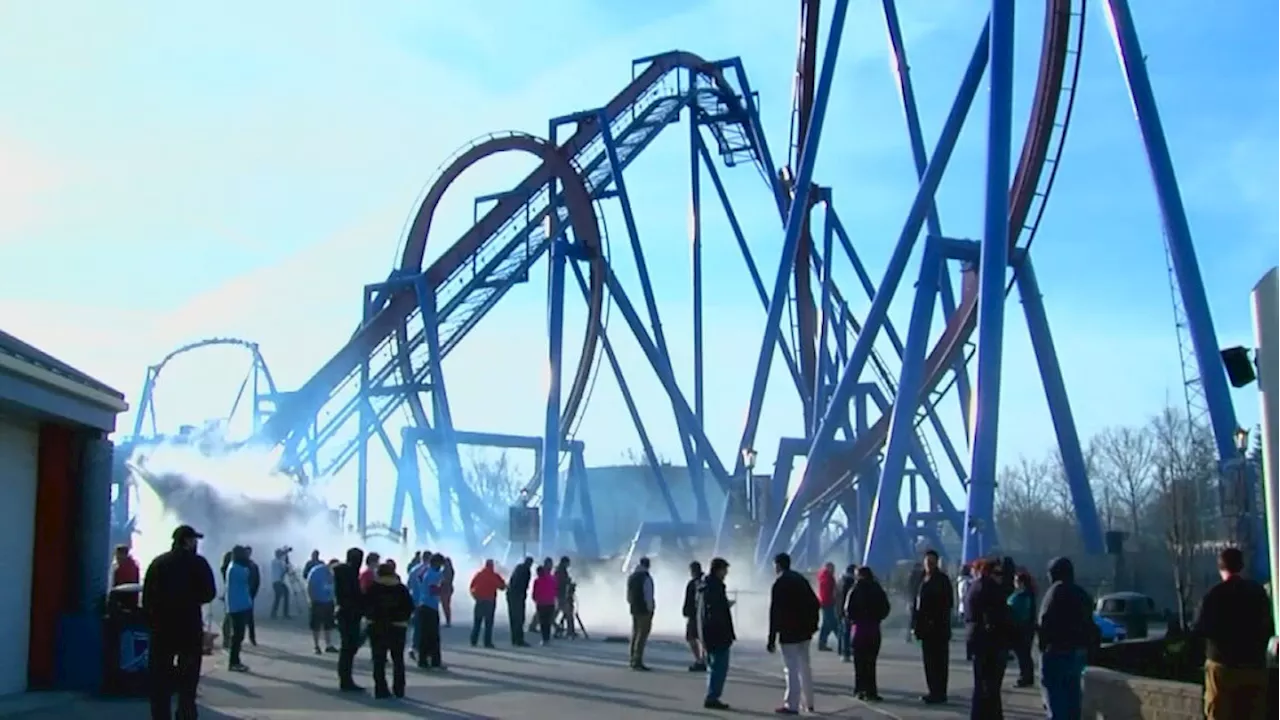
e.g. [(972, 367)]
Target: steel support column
[(696, 476), (550, 471), (795, 217), (878, 313), (902, 432), (1055, 392), (980, 511)]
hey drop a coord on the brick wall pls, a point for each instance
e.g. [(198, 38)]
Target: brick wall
[(1110, 695)]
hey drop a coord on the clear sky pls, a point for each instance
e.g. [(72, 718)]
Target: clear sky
[(173, 171)]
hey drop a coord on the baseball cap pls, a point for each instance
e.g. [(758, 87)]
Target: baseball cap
[(186, 532)]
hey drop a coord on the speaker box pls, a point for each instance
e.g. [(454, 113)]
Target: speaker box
[(1239, 366)]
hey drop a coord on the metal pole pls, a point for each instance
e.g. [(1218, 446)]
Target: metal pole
[(993, 265)]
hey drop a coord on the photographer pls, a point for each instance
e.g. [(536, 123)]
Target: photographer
[(280, 588)]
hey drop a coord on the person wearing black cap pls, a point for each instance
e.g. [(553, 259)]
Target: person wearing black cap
[(177, 584)]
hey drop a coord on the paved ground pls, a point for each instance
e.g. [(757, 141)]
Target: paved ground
[(569, 679)]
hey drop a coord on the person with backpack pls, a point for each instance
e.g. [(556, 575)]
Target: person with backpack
[(866, 607), (1022, 609), (793, 621), (990, 631), (388, 607)]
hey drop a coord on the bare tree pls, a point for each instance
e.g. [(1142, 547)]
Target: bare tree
[(493, 477), (1027, 509), (1184, 470), (1126, 462)]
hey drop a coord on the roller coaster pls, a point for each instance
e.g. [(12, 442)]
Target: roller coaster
[(873, 420)]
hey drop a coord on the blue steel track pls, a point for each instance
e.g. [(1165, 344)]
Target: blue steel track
[(856, 465)]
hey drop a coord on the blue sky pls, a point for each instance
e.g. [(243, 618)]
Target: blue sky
[(179, 170)]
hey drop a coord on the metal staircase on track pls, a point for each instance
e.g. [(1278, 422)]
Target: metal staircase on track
[(476, 285)]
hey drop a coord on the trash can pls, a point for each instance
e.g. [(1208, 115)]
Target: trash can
[(126, 642)]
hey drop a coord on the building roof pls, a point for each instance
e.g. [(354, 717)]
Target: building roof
[(13, 347)]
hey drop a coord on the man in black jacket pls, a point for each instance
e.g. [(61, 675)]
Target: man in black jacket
[(690, 612), (177, 585), (1235, 623), (931, 613), (518, 599), (350, 601), (389, 607), (641, 602), (715, 618), (1066, 631), (793, 620), (990, 636)]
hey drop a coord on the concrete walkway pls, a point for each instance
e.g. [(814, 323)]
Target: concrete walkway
[(568, 679)]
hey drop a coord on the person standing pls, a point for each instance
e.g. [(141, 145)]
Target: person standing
[(1067, 632), (255, 584), (239, 607), (793, 621), (485, 586), (177, 585), (350, 610), (989, 633), (544, 601), (125, 571), (428, 614), (827, 601), (963, 583), (311, 564), (1022, 609), (1235, 623), (867, 607), (446, 591), (388, 607), (690, 612), (715, 631), (641, 602), (370, 571), (279, 588), (321, 596), (844, 641), (517, 598), (931, 615)]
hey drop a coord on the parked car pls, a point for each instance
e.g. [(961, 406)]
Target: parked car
[(1109, 631), (1130, 610)]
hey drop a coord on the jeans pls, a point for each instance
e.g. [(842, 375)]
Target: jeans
[(388, 642), (717, 672), (799, 675), (428, 621), (1062, 683), (843, 646), (1022, 651), (866, 651), (239, 623), (281, 599), (546, 617), (515, 612), (988, 675), (483, 615), (174, 668), (830, 624), (935, 652), (350, 638), (641, 625)]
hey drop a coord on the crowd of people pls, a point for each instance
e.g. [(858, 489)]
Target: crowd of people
[(364, 598)]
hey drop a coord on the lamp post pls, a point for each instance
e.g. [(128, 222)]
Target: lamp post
[(749, 483), (1241, 500)]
